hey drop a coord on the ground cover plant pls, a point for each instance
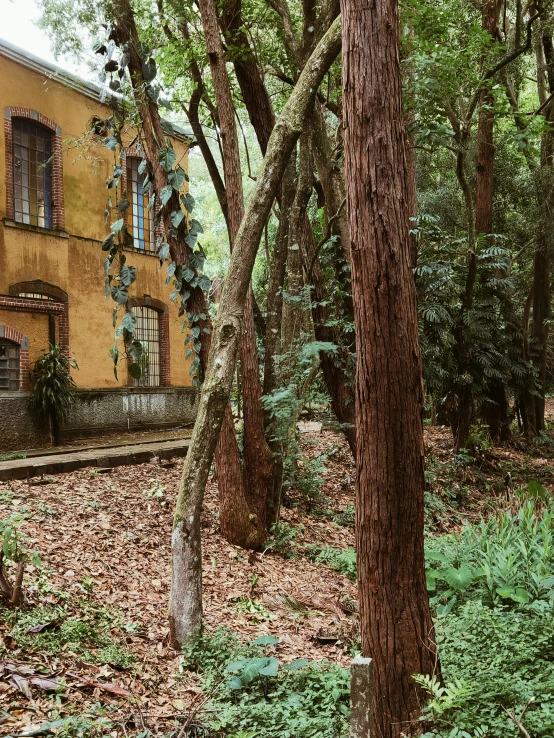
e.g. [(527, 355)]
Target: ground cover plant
[(97, 621)]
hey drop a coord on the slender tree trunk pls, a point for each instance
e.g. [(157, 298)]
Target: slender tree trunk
[(542, 260), (495, 411), (185, 611), (257, 456), (272, 346), (331, 176), (395, 619)]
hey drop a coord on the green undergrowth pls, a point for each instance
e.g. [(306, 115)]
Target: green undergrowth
[(253, 694), (340, 559), (494, 661), (82, 628)]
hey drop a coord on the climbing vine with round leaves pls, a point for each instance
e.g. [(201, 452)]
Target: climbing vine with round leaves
[(184, 270)]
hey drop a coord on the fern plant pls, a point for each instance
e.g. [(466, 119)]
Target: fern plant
[(53, 388), (491, 330)]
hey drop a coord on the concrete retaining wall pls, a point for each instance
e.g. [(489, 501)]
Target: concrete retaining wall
[(18, 429), (95, 411)]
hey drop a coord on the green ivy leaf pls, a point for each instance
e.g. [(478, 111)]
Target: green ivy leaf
[(120, 295), (127, 275), (167, 158), (108, 242), (118, 225), (176, 178), (129, 322), (188, 202), (195, 227), (149, 70), (163, 253), (135, 371), (177, 217), (165, 194)]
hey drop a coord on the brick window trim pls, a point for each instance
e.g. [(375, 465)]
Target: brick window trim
[(58, 210), (32, 305), (11, 334), (163, 312)]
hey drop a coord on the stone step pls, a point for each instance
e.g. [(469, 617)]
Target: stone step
[(138, 453)]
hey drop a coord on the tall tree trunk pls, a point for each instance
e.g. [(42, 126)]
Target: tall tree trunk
[(185, 611), (395, 619), (260, 111), (542, 260), (272, 347), (257, 456), (495, 409)]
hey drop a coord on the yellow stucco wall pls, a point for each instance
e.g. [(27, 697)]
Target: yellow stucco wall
[(33, 325), (75, 262)]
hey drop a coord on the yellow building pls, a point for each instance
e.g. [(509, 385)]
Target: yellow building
[(52, 201)]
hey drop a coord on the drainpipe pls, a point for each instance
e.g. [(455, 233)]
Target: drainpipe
[(51, 329)]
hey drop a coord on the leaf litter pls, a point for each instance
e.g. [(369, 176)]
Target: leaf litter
[(104, 542)]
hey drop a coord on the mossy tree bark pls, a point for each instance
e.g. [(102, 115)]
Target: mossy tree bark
[(186, 588)]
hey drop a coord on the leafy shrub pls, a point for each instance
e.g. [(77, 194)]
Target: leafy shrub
[(282, 538), (493, 660), (15, 555), (255, 695), (53, 387), (341, 559), (505, 561)]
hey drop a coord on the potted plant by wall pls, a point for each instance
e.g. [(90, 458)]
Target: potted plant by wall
[(53, 388)]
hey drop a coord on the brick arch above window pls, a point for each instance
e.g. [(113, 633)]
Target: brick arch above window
[(38, 287), (15, 336), (58, 210), (163, 327)]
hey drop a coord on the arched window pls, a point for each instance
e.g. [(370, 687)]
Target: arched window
[(147, 331), (9, 365), (32, 173), (141, 219)]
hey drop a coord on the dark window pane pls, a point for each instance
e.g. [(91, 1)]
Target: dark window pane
[(32, 151), (9, 366), (147, 331)]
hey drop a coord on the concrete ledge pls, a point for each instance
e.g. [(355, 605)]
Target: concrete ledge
[(117, 456)]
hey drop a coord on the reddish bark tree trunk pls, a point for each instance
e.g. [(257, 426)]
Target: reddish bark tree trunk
[(257, 456), (395, 619), (542, 261), (495, 411)]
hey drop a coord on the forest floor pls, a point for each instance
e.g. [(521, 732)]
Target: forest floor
[(92, 638)]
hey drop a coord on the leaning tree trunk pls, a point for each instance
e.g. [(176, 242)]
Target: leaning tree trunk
[(185, 609), (395, 619)]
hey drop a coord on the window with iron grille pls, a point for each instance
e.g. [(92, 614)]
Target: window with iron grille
[(147, 331), (141, 220), (32, 173), (9, 365), (35, 295)]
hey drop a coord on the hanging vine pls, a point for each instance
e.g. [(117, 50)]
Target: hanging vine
[(133, 95)]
